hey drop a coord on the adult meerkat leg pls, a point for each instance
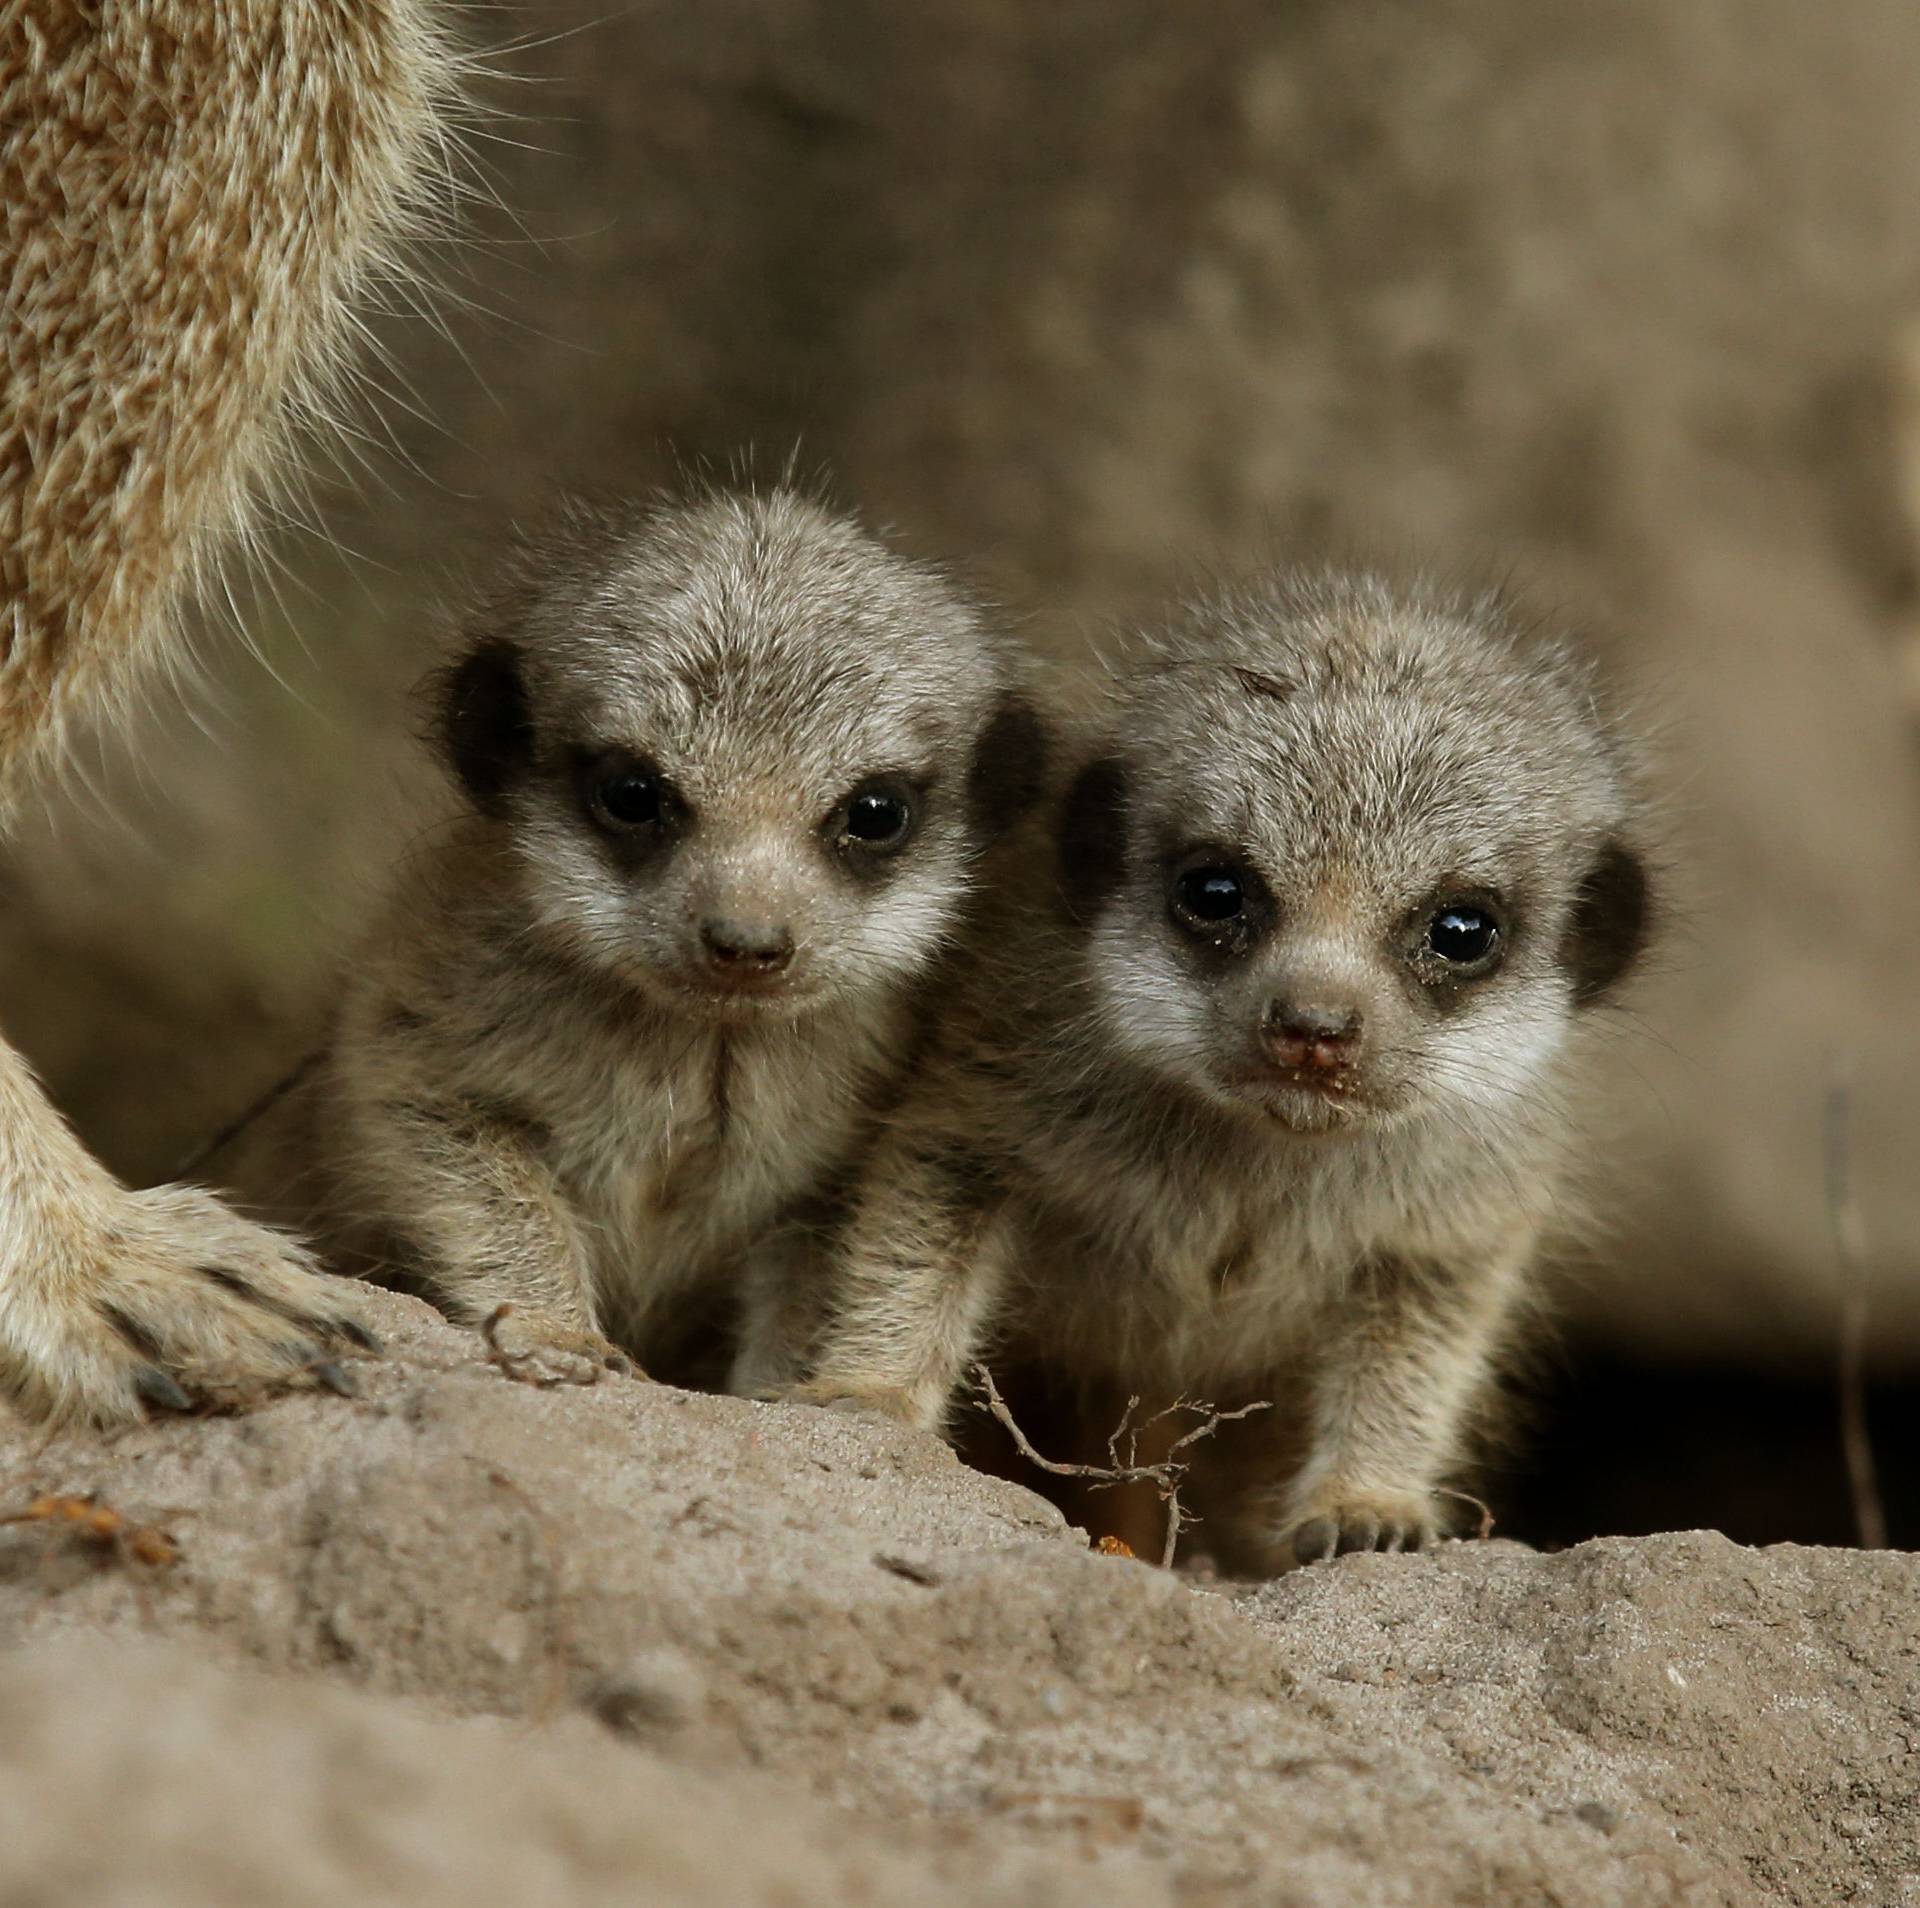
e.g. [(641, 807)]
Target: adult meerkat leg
[(111, 1299), (192, 197), (1390, 1395), (912, 1286)]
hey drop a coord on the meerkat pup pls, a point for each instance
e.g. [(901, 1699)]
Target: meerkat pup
[(1259, 1086), (726, 765)]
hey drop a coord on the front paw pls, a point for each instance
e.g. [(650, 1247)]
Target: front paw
[(165, 1299), (890, 1403), (535, 1348), (1343, 1522)]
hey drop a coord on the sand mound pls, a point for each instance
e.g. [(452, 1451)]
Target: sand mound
[(463, 1639)]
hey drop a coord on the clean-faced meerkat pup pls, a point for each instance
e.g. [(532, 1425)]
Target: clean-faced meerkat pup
[(727, 765), (1260, 1086), (194, 201)]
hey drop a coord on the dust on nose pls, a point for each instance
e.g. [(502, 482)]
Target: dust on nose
[(1311, 1036)]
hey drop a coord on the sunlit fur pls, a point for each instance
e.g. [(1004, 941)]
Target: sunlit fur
[(195, 201), (1103, 1169), (538, 1093), (199, 203)]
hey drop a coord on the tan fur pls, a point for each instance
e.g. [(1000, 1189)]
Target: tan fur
[(194, 196), (544, 1089), (1120, 1162)]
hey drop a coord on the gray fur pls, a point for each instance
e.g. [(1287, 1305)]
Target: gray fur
[(541, 1091), (1106, 1168)]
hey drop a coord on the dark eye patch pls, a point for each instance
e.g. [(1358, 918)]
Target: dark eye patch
[(633, 806), (879, 817), (1008, 773), (1217, 900), (1092, 842)]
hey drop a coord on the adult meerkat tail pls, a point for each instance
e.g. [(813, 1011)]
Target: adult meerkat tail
[(195, 195)]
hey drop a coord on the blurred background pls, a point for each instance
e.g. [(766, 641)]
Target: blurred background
[(1623, 302)]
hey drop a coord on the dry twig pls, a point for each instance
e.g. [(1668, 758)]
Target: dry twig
[(1485, 1529), (101, 1528), (1849, 1251), (1165, 1476), (211, 1148)]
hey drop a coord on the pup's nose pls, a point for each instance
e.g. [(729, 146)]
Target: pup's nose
[(748, 947), (1311, 1035)]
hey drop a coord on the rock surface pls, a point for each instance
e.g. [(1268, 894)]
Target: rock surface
[(1624, 300), (467, 1640)]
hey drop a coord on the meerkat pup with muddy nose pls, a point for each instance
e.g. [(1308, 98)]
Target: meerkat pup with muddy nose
[(726, 767), (1260, 1085)]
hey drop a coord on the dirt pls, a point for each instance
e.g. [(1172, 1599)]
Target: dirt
[(462, 1638), (1081, 297)]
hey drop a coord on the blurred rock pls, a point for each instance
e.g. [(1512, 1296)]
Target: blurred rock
[(1667, 1720), (1091, 294)]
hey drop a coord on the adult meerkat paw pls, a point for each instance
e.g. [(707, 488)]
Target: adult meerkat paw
[(162, 1300), (536, 1348), (1362, 1520), (891, 1402)]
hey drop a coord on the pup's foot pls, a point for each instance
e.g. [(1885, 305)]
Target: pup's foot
[(887, 1402), (1362, 1520), (535, 1348)]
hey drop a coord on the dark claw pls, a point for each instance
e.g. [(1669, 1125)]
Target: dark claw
[(1315, 1539), (352, 1330), (156, 1388), (339, 1382), (1358, 1533), (246, 1290), (132, 1331)]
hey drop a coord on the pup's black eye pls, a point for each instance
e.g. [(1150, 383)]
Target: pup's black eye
[(876, 818), (1463, 936), (1210, 895), (630, 799)]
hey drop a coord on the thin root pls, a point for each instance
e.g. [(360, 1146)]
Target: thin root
[(1165, 1476)]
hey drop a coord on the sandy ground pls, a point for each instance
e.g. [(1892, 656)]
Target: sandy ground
[(466, 1639)]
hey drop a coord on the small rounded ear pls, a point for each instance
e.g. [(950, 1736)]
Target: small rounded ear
[(485, 726), (1093, 838), (1608, 931), (1008, 773)]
